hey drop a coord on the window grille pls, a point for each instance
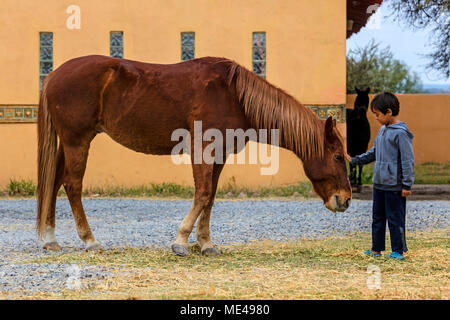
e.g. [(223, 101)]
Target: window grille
[(259, 53), (187, 46)]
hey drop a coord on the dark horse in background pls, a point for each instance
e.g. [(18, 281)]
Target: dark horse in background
[(140, 105), (358, 135)]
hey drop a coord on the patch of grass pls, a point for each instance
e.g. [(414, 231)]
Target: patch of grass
[(231, 190), (21, 188), (330, 268), (430, 163), (426, 173), (430, 172), (152, 190), (367, 173)]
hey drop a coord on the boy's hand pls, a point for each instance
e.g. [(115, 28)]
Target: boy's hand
[(349, 159), (406, 193)]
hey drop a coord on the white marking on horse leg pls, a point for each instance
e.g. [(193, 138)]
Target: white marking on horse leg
[(207, 245), (202, 230), (187, 224), (49, 239), (93, 245), (184, 230), (49, 235)]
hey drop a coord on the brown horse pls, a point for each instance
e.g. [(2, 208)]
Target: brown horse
[(139, 105)]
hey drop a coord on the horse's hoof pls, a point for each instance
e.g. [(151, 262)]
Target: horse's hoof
[(180, 250), (212, 251), (53, 246), (95, 246)]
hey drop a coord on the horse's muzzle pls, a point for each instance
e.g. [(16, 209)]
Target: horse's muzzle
[(338, 203)]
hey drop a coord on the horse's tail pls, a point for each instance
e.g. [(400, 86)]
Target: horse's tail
[(47, 158)]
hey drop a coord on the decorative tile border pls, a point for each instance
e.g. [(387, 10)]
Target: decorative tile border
[(18, 113), (323, 111), (28, 112)]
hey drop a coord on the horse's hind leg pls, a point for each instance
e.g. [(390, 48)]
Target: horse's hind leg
[(202, 229), (75, 166), (49, 238), (203, 190)]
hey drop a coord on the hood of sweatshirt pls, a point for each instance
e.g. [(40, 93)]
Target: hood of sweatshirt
[(400, 126)]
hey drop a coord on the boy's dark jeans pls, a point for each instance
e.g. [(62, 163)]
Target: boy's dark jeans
[(388, 205)]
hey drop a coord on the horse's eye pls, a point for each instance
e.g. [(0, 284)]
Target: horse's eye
[(339, 157)]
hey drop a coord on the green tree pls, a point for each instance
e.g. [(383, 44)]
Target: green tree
[(428, 14), (375, 67)]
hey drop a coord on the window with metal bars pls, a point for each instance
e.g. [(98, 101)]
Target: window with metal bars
[(45, 56), (116, 44), (259, 53), (187, 46)]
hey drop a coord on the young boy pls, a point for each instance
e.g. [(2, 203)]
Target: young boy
[(393, 175)]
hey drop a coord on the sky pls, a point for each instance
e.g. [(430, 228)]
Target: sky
[(406, 45)]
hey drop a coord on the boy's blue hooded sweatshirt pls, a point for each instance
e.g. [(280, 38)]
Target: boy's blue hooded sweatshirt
[(393, 154)]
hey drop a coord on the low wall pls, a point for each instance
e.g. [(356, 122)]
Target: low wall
[(109, 163), (428, 118)]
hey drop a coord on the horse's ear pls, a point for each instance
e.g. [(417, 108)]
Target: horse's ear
[(368, 90), (329, 125), (356, 89)]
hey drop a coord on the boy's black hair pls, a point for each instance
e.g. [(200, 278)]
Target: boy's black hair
[(384, 101)]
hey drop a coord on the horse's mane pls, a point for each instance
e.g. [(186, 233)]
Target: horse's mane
[(269, 107)]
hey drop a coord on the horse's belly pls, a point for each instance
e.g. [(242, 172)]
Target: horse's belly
[(158, 143)]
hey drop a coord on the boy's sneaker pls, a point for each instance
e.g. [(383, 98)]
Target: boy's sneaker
[(371, 254), (395, 255)]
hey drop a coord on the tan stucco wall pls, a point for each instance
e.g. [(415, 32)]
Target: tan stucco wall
[(305, 39), (111, 164), (428, 118), (305, 57)]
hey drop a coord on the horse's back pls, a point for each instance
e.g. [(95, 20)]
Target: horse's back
[(140, 104)]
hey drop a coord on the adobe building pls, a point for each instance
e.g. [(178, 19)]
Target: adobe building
[(297, 45)]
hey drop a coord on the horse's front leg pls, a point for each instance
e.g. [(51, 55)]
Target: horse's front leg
[(203, 174), (203, 234), (360, 171), (180, 246), (353, 174), (202, 231), (206, 178)]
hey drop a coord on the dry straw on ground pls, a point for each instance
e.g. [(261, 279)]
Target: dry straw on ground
[(331, 268)]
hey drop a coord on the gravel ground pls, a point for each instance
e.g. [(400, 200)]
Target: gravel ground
[(128, 222)]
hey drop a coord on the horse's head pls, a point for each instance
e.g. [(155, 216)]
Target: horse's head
[(362, 99), (329, 174)]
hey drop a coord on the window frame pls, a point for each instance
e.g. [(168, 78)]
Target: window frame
[(192, 47), (254, 47)]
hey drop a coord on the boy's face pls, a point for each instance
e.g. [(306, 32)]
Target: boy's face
[(384, 119)]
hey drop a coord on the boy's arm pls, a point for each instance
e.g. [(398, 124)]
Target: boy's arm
[(365, 158), (407, 160)]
